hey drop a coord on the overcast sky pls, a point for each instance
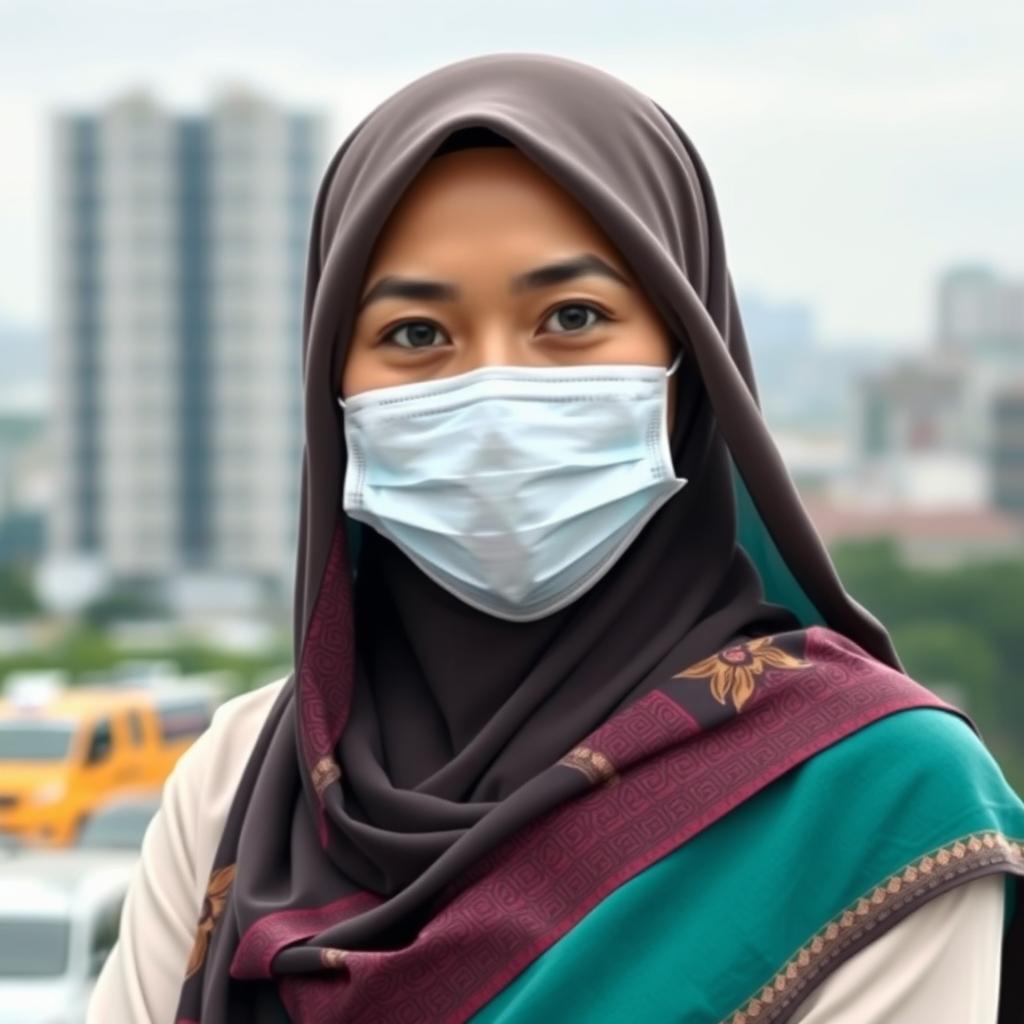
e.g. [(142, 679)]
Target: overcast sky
[(855, 149)]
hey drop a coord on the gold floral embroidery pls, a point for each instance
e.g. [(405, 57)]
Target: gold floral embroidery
[(213, 903), (331, 957), (325, 771), (733, 669), (594, 765)]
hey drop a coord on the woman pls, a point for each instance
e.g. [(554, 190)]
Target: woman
[(583, 726)]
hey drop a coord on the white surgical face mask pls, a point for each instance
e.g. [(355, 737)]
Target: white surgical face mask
[(516, 488)]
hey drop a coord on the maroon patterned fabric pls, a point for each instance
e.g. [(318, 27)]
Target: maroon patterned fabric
[(670, 779), (424, 758)]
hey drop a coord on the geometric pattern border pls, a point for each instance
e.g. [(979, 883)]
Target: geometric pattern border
[(973, 854)]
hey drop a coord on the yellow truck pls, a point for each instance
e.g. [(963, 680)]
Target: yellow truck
[(64, 756)]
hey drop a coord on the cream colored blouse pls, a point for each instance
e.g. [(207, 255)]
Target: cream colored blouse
[(939, 964)]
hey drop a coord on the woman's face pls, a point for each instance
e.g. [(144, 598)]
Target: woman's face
[(466, 274)]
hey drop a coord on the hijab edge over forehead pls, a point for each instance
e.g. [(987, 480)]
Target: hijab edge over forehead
[(421, 121)]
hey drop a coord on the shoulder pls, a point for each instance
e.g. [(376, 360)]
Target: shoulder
[(142, 976), (236, 723), (217, 757), (251, 705), (915, 971), (228, 740), (906, 830), (924, 802), (207, 773), (922, 751), (921, 778)]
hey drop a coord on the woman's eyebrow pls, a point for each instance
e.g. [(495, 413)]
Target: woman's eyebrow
[(539, 277)]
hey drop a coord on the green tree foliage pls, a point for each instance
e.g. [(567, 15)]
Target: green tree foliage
[(17, 595), (961, 627), (88, 649), (123, 603)]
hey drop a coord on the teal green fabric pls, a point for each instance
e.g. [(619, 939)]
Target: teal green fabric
[(780, 585), (700, 931)]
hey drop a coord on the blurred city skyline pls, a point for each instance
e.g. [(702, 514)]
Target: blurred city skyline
[(150, 404), (855, 153), (158, 185)]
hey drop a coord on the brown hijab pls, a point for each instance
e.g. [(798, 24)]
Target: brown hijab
[(398, 751)]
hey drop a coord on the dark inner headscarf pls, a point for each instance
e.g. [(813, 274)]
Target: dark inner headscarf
[(387, 763), (465, 707)]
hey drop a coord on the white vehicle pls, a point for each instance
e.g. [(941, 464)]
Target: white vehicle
[(59, 916), (120, 823)]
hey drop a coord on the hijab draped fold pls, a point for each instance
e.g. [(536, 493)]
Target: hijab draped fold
[(400, 747)]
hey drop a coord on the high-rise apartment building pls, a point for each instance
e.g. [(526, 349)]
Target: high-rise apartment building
[(179, 253), (980, 314), (1007, 451), (942, 427)]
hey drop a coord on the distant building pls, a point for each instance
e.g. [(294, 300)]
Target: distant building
[(781, 340), (816, 464), (802, 384), (930, 431), (180, 247), (24, 356), (914, 442), (924, 538), (979, 314), (25, 486), (1007, 448)]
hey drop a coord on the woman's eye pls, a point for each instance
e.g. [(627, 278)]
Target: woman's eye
[(573, 317), (419, 334)]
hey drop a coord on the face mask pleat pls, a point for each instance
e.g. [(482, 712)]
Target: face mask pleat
[(512, 487)]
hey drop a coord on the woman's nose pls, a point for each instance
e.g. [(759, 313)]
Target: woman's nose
[(496, 348)]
